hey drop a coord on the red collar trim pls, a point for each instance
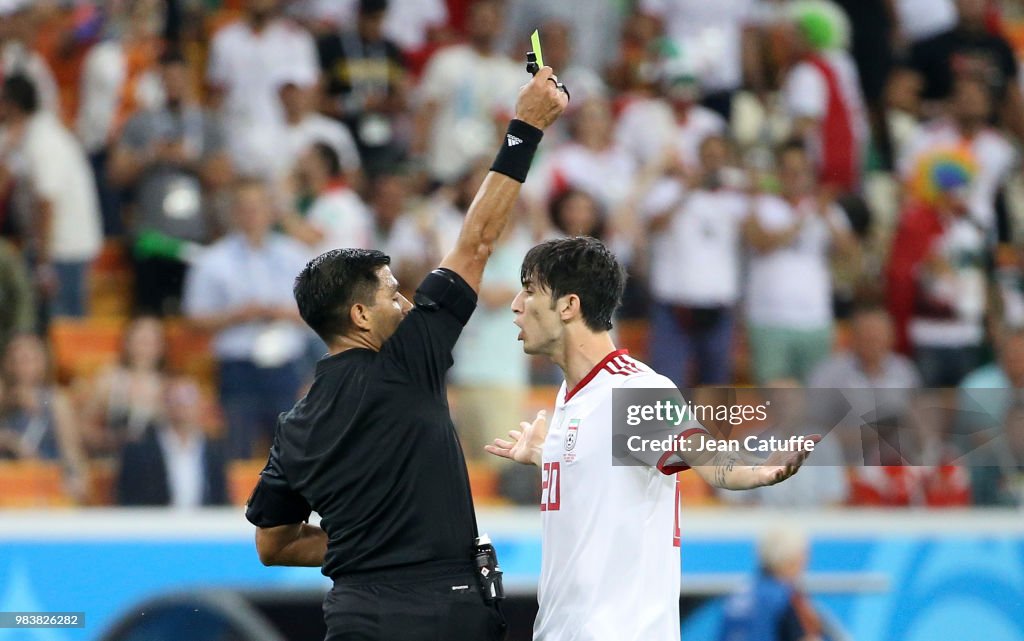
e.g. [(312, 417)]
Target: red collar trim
[(593, 372)]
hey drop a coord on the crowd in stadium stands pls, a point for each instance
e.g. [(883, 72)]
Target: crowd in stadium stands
[(806, 194)]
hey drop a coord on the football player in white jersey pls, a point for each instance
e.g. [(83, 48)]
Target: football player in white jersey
[(610, 538)]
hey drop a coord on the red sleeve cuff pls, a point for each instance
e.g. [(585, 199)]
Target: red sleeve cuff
[(669, 469)]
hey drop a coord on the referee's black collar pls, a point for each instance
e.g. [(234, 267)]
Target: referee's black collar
[(329, 361)]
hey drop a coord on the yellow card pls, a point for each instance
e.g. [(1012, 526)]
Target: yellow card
[(535, 39)]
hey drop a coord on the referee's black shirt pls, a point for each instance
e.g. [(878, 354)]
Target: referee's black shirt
[(373, 450)]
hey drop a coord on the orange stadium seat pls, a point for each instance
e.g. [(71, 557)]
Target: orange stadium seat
[(542, 397), (188, 352), (483, 483), (242, 477), (110, 282), (102, 483), (694, 491), (81, 346), (632, 335), (32, 484)]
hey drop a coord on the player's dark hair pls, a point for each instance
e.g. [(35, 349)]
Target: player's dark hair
[(332, 283), (21, 92), (583, 266)]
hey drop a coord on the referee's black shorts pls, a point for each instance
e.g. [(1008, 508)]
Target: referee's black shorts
[(440, 604)]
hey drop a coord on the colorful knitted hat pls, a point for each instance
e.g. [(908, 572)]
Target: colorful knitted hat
[(942, 171)]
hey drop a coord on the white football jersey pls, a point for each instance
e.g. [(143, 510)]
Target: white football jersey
[(610, 539)]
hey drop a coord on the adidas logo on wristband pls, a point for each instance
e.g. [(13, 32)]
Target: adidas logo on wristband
[(513, 140)]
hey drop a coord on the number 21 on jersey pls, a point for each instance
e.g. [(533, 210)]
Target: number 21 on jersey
[(551, 486)]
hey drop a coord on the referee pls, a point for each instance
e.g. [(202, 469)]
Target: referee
[(372, 448)]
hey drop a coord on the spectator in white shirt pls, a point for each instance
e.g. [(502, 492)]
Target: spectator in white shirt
[(922, 19), (694, 232), (968, 127), (240, 289), (822, 95), (339, 215), (247, 60), (674, 123), (789, 280), (465, 91), (718, 37), (304, 126), (120, 77), (410, 24), (17, 57), (55, 197), (591, 161)]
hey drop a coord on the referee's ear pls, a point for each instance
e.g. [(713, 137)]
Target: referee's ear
[(359, 316)]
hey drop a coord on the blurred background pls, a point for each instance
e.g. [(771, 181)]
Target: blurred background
[(806, 194)]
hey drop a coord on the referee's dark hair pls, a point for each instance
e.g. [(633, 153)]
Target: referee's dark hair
[(583, 266), (332, 283), (20, 91)]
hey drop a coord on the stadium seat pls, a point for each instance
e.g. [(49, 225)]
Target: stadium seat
[(693, 491), (32, 484), (483, 483), (188, 352), (81, 346), (110, 283), (102, 483), (633, 335), (542, 397)]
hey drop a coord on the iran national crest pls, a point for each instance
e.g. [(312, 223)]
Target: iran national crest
[(570, 434)]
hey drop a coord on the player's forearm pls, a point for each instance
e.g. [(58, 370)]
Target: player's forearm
[(726, 471), (484, 222)]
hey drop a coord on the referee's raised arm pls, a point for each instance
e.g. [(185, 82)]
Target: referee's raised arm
[(540, 103)]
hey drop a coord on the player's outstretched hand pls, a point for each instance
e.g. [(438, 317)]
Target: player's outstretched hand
[(540, 102), (782, 465), (526, 445)]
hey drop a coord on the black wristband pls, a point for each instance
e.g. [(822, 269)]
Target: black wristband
[(516, 153)]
